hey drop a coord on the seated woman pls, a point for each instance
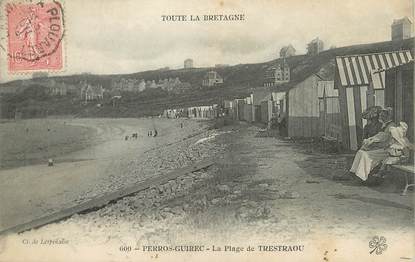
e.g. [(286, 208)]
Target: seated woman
[(374, 149), (373, 125), (400, 146)]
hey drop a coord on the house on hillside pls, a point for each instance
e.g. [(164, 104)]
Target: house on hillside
[(360, 80), (151, 84), (90, 92), (171, 84), (142, 85), (212, 78), (401, 29), (125, 84), (315, 47), (277, 74), (59, 89)]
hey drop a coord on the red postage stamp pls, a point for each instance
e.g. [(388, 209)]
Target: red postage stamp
[(35, 34)]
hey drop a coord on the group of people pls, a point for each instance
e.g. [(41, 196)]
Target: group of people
[(384, 143), (133, 135), (152, 133)]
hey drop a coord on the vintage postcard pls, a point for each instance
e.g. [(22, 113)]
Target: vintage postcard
[(217, 130)]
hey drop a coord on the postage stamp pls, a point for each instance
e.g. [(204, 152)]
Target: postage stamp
[(35, 34)]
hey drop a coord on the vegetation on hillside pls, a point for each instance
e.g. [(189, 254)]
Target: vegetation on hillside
[(31, 98)]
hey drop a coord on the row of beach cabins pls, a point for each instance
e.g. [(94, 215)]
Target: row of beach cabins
[(328, 102), (197, 112)]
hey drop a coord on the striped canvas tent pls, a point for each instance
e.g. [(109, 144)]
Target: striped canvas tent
[(360, 80)]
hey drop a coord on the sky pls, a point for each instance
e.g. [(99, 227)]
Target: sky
[(126, 36)]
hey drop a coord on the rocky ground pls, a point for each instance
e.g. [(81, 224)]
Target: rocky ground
[(157, 161), (261, 190)]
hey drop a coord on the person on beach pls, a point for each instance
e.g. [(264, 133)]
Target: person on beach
[(373, 125), (155, 132), (282, 125), (400, 147), (374, 150)]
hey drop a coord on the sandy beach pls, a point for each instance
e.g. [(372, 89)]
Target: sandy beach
[(261, 191), (106, 163)]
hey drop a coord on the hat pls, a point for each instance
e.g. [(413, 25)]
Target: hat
[(404, 125), (371, 112)]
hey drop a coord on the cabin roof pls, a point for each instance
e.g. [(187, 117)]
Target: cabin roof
[(358, 70)]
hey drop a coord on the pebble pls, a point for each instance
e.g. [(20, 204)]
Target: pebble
[(289, 195), (263, 185), (223, 188), (215, 201)]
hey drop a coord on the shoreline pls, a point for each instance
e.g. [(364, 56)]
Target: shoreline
[(106, 167)]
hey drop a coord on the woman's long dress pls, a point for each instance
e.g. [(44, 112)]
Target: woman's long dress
[(365, 160)]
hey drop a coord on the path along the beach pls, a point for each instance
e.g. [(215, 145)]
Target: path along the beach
[(261, 191)]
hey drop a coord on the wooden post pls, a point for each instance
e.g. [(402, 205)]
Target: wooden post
[(370, 96), (398, 96)]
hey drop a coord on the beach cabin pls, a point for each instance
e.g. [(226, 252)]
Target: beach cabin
[(201, 112), (238, 112), (267, 110), (280, 103), (247, 111), (360, 87), (329, 110), (258, 96), (303, 108), (399, 94), (228, 107)]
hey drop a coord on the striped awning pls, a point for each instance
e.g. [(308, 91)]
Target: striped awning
[(358, 70)]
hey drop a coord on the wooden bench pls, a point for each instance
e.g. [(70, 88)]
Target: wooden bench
[(407, 170), (332, 136)]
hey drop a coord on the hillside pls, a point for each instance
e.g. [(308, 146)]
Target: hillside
[(239, 80)]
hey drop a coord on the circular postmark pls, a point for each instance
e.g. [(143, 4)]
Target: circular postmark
[(35, 32)]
